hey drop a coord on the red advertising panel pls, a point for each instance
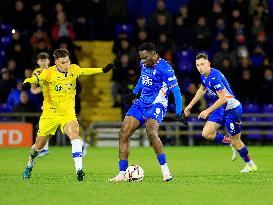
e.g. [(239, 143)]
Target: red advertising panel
[(16, 135)]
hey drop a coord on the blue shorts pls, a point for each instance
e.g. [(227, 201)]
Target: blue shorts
[(156, 111), (231, 119)]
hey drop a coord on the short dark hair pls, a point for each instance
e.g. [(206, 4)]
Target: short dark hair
[(201, 55), (42, 55), (148, 46), (60, 53)]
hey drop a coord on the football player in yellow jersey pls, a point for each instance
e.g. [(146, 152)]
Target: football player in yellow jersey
[(43, 62), (59, 83)]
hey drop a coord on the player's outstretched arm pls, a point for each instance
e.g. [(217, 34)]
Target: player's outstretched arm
[(92, 71), (36, 78), (198, 95)]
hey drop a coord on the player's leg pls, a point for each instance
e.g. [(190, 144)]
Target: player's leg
[(233, 125), (154, 117), (210, 132), (128, 127), (34, 152), (44, 151), (215, 121), (132, 120), (47, 127), (152, 127), (72, 130)]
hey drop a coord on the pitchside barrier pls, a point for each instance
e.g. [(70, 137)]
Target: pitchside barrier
[(257, 129)]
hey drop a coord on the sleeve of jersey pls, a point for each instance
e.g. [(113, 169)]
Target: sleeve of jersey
[(178, 99), (37, 78), (89, 71), (169, 77), (138, 87), (217, 84)]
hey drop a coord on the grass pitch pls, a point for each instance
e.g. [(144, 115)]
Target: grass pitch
[(202, 175)]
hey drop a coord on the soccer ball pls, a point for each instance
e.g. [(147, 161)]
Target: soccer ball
[(134, 173)]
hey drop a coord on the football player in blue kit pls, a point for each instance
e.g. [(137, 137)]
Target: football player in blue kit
[(226, 110), (156, 81)]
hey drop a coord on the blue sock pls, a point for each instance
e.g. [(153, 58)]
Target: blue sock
[(244, 154), (220, 138), (123, 164), (162, 159)]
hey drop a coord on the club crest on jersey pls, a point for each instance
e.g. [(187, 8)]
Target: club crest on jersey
[(171, 78), (146, 80)]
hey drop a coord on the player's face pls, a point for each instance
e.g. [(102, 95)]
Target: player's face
[(63, 63), (203, 66), (43, 63), (148, 58)]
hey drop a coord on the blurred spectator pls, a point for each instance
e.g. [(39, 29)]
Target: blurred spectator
[(225, 53), (160, 15), (165, 47), (266, 94), (19, 16), (247, 91), (62, 28), (27, 73), (6, 85), (161, 25), (12, 67), (182, 33), (98, 18), (14, 96), (202, 34), (40, 24), (119, 78), (38, 37), (189, 95)]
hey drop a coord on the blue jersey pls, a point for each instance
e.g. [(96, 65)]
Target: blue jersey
[(216, 82), (155, 84)]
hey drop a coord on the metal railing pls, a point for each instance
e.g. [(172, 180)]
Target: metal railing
[(108, 131)]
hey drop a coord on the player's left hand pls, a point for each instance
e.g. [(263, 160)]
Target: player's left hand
[(26, 85), (182, 118), (204, 114), (107, 68)]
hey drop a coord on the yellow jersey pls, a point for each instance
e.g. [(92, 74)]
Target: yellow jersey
[(59, 88)]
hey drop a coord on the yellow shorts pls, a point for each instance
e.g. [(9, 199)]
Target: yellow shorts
[(49, 125)]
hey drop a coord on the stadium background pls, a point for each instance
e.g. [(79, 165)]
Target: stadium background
[(237, 35)]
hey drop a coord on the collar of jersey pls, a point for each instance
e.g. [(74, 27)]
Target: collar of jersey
[(60, 70), (156, 62)]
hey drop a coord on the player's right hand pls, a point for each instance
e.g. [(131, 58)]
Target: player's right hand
[(129, 98), (187, 110), (26, 85), (182, 118)]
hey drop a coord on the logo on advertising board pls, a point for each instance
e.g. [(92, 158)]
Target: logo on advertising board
[(16, 135)]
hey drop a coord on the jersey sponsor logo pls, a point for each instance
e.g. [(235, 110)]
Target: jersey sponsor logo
[(146, 80), (172, 78), (217, 86)]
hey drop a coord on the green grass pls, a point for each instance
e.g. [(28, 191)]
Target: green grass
[(202, 175)]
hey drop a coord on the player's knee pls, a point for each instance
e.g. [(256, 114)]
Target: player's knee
[(123, 133), (151, 132), (73, 132), (208, 135)]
